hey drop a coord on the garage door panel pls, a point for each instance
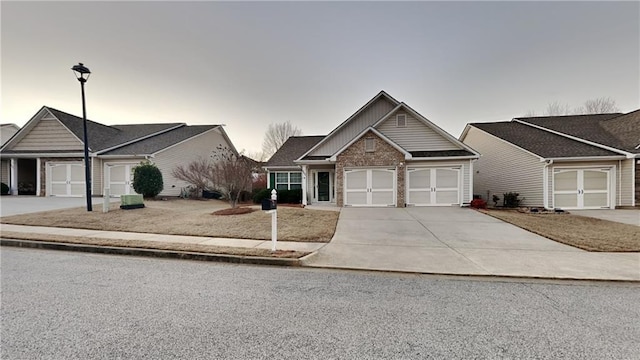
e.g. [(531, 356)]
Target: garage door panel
[(566, 200), (116, 172), (77, 189), (420, 178), (369, 187), (596, 200), (566, 181), (381, 179), (382, 198), (356, 179), (446, 178), (446, 197), (595, 180), (356, 198), (420, 197), (434, 186), (58, 173), (76, 173), (59, 189)]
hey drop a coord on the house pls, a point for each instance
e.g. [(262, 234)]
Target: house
[(385, 154), (45, 157), (6, 132), (564, 162)]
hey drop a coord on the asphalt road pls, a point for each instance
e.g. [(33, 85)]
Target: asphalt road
[(59, 305)]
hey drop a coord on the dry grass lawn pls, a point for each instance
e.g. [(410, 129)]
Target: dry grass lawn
[(582, 232), (191, 217)]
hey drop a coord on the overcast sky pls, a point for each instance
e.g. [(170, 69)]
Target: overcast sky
[(253, 63)]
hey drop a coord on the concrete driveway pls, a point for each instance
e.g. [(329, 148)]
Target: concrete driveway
[(453, 240), (14, 205), (631, 216)]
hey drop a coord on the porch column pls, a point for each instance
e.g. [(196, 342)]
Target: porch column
[(38, 177), (13, 180), (305, 184)]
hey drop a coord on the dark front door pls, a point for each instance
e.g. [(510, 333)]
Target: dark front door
[(323, 186)]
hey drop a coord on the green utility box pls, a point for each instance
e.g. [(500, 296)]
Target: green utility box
[(131, 202)]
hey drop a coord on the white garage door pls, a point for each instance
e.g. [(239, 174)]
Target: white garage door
[(119, 179), (581, 188), (369, 187), (65, 179), (433, 186)]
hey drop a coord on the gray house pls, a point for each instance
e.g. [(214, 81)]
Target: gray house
[(566, 162), (45, 157), (385, 154)]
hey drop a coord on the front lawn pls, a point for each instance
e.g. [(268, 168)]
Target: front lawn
[(191, 217), (582, 232)]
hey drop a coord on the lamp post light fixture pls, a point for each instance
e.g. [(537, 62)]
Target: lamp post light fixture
[(82, 74)]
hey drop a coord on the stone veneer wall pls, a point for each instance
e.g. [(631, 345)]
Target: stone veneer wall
[(384, 155), (43, 171)]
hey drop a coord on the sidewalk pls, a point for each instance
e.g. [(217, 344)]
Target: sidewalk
[(180, 239)]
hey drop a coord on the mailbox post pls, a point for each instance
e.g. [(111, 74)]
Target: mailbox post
[(274, 219)]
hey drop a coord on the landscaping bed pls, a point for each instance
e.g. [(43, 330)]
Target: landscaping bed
[(582, 232)]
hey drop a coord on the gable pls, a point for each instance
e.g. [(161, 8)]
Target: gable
[(415, 135), (354, 126), (48, 134)]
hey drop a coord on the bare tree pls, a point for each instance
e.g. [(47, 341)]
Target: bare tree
[(198, 173), (601, 105), (232, 174), (557, 108), (276, 135), (530, 113)]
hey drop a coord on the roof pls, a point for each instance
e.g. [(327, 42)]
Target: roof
[(156, 143), (441, 153), (540, 142), (614, 130), (131, 139), (292, 149)]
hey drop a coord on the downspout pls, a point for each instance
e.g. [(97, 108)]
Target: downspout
[(306, 185), (545, 183)]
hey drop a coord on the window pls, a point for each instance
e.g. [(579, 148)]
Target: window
[(288, 180), (401, 120), (369, 144)]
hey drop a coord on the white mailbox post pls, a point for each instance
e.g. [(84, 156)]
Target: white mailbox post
[(274, 221), (105, 201)]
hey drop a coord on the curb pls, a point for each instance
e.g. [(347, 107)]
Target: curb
[(167, 254)]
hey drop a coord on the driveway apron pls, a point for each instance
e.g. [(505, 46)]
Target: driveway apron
[(453, 240)]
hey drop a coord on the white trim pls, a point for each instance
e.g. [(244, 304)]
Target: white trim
[(611, 184), (407, 155), (589, 158), (305, 169), (633, 181), (38, 176), (315, 193), (404, 121), (459, 168), (468, 157), (627, 154), (334, 131), (369, 189), (313, 162), (47, 155), (470, 198)]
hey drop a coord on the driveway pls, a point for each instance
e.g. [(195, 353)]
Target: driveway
[(453, 240), (14, 205), (619, 215)]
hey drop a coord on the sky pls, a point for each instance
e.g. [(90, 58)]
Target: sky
[(249, 64)]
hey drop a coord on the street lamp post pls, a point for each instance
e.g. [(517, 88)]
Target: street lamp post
[(82, 74)]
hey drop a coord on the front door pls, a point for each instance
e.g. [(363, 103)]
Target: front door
[(323, 186)]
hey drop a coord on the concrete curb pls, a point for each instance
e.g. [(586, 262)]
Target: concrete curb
[(167, 254)]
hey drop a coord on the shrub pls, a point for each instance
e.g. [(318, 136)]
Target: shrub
[(511, 200), (284, 196), (147, 180), (478, 204), (4, 190), (261, 194)]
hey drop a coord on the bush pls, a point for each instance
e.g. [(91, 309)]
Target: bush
[(511, 200), (478, 203), (284, 196), (261, 194), (4, 189), (147, 180)]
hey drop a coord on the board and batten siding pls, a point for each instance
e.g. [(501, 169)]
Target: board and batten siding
[(49, 134), (355, 126), (415, 136), (503, 167), (199, 146), (621, 178), (465, 173)]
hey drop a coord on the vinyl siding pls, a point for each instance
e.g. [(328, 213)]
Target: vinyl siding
[(4, 171), (503, 167), (415, 136), (464, 173), (49, 134), (621, 178), (366, 118), (202, 145)]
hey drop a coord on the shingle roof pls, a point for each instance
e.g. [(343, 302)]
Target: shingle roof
[(541, 142), (441, 153), (603, 129), (102, 136), (156, 143), (292, 149)]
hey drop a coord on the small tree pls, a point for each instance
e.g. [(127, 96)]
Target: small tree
[(232, 174), (276, 135), (147, 179), (198, 173)]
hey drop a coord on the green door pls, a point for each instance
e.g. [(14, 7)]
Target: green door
[(323, 186)]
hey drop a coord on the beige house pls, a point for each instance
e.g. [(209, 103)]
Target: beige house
[(6, 132), (45, 158), (562, 162), (385, 154)]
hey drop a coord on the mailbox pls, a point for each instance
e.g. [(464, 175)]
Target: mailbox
[(268, 204)]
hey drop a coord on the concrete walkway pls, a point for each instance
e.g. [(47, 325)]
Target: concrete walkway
[(630, 216), (460, 241), (178, 239)]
